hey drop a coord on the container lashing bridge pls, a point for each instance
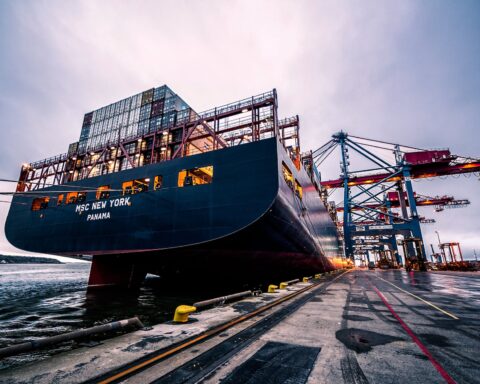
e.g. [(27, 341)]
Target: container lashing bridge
[(370, 194), (189, 133)]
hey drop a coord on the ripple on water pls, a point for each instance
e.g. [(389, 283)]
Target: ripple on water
[(38, 301)]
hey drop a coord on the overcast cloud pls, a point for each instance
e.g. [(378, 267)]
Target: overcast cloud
[(405, 71)]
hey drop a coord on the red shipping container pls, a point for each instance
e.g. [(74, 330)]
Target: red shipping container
[(392, 196), (427, 157)]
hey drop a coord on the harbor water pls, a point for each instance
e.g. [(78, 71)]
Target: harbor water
[(41, 300)]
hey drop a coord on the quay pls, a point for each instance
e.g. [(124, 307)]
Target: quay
[(354, 326)]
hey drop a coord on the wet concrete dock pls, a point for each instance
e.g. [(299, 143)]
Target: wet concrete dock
[(357, 327)]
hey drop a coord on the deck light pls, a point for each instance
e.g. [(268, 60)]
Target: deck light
[(244, 110), (163, 149)]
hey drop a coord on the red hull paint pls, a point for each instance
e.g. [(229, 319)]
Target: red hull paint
[(122, 272)]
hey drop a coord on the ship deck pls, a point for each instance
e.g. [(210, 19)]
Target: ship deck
[(357, 326)]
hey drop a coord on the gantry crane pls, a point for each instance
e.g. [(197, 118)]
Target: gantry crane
[(370, 194)]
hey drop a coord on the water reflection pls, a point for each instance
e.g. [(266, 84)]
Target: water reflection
[(441, 283)]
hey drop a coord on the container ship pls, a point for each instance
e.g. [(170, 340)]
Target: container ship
[(154, 187)]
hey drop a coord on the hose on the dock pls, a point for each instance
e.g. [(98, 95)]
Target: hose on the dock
[(36, 344), (222, 299)]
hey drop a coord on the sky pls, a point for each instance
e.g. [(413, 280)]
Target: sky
[(406, 72)]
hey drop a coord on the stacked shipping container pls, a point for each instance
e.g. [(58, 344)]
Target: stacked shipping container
[(149, 111)]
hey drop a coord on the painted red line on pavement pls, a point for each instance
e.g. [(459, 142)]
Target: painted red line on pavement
[(417, 341)]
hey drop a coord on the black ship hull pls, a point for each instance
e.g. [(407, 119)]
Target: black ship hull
[(247, 224)]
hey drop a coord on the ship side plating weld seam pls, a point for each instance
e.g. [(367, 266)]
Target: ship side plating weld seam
[(419, 298), (417, 341), (175, 348)]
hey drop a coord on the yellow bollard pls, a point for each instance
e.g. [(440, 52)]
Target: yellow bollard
[(272, 288), (182, 312), (318, 275), (305, 279), (283, 285)]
